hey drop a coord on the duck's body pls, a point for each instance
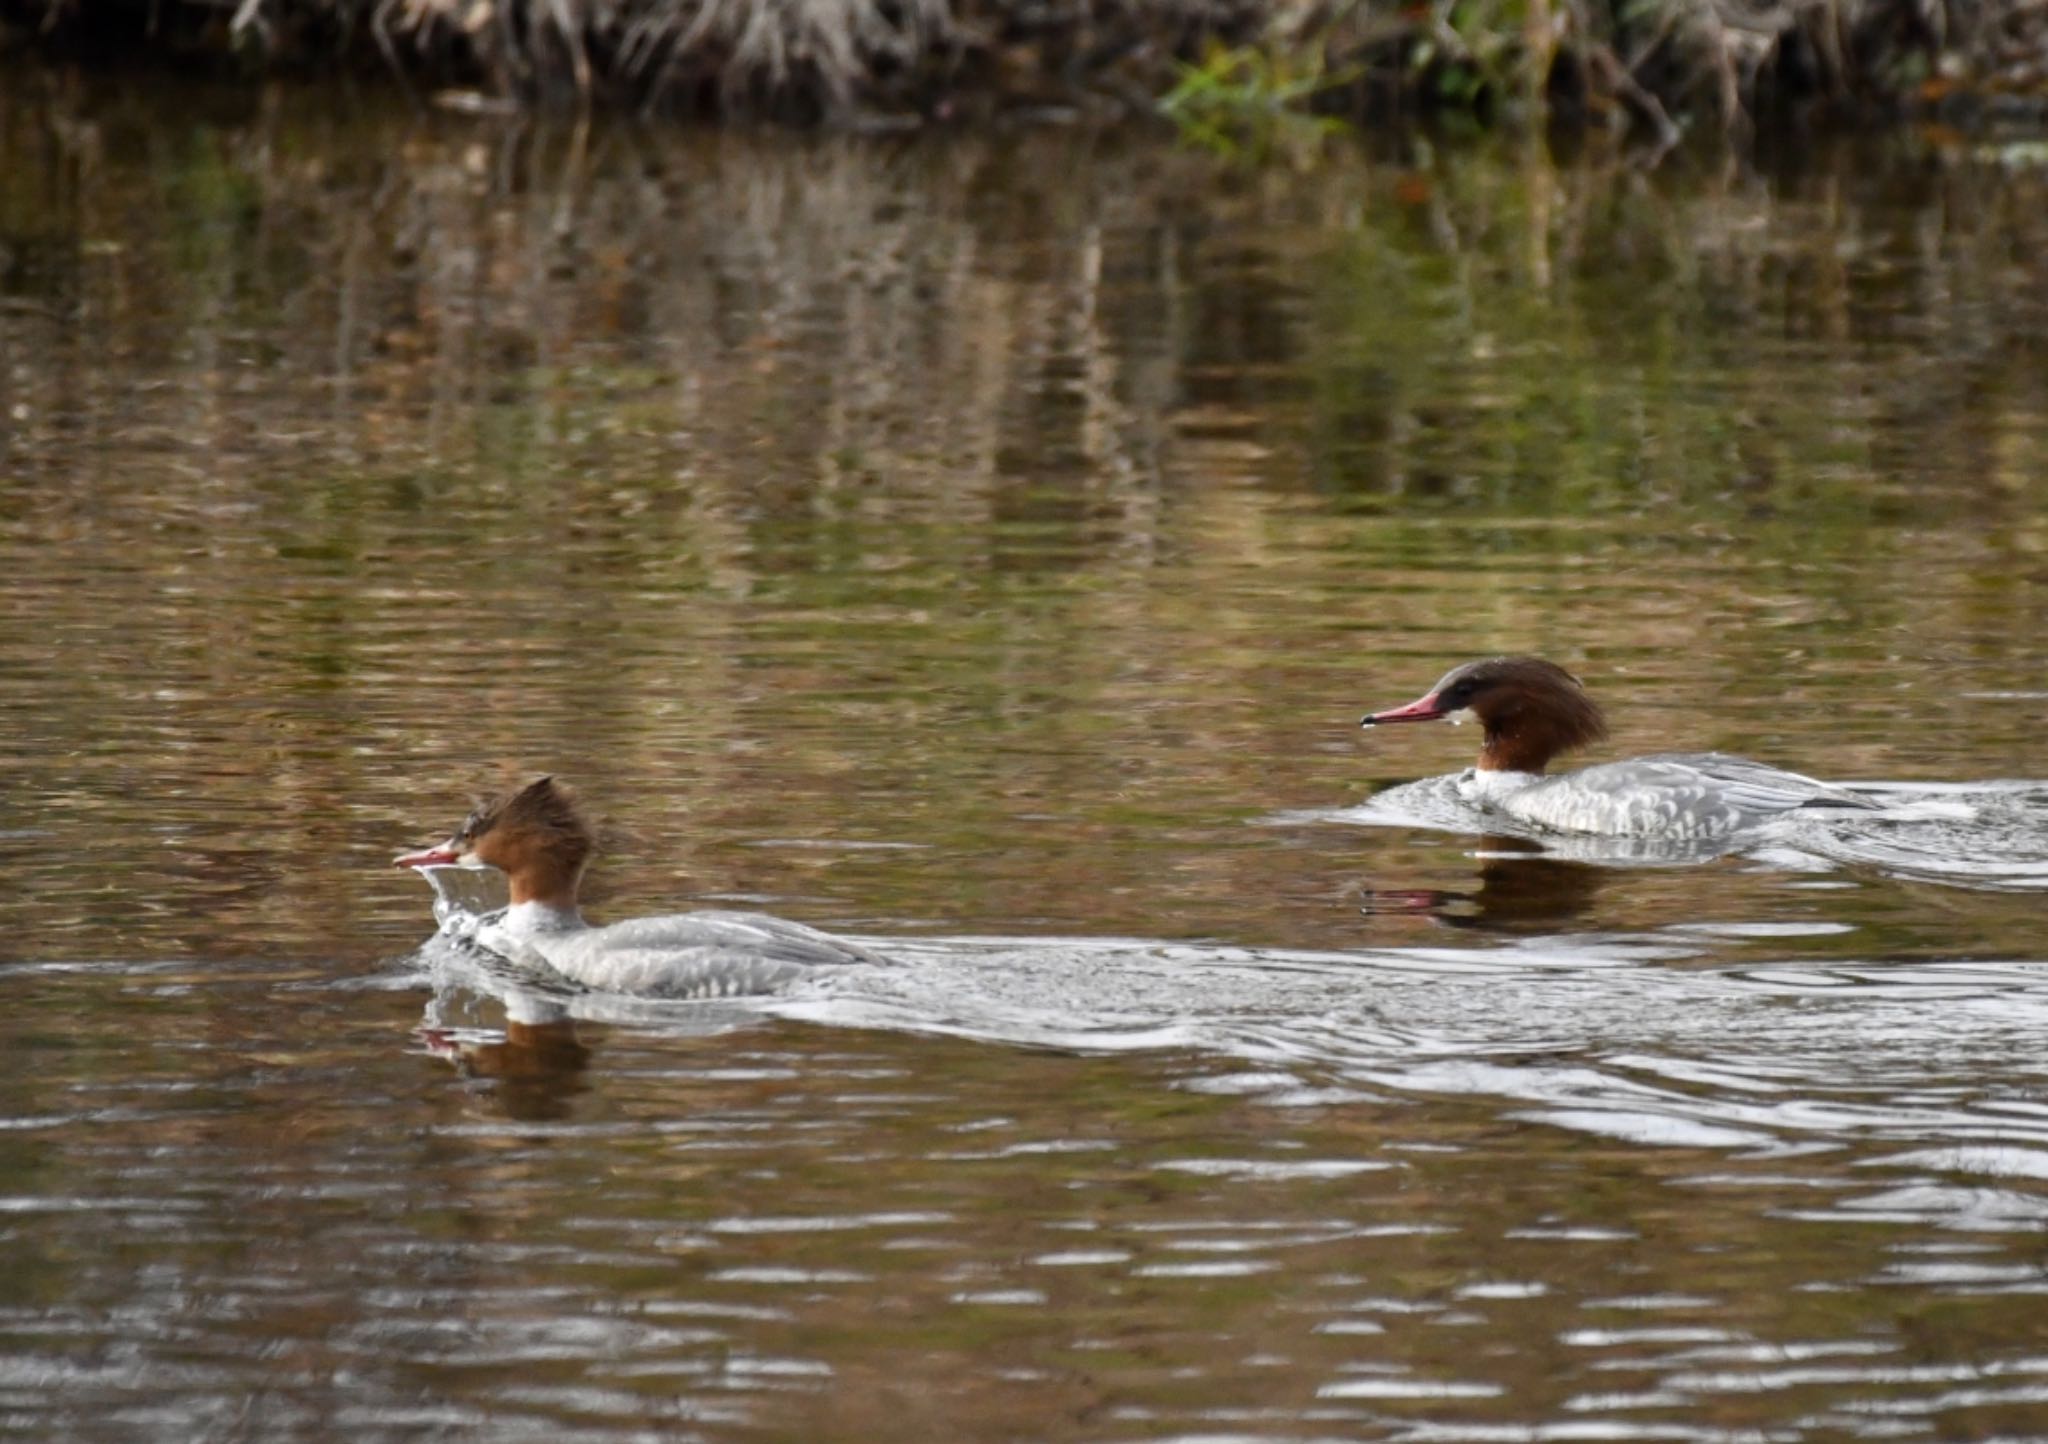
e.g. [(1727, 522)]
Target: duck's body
[(539, 839), (1685, 796), (682, 955), (1532, 711)]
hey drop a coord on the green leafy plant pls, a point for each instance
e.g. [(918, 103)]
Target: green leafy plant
[(1242, 97)]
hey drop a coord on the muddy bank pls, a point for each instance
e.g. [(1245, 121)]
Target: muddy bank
[(1227, 67)]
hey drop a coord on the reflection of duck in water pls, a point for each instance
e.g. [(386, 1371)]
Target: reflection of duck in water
[(536, 1066), (1533, 710), (538, 838), (1518, 887)]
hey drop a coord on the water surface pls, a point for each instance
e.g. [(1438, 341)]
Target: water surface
[(986, 547)]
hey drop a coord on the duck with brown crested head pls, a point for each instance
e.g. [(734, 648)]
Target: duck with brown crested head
[(539, 838), (1533, 711)]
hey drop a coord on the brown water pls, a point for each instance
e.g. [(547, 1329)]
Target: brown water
[(985, 546)]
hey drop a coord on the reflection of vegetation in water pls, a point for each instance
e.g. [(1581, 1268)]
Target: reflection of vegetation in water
[(1020, 501), (1490, 350)]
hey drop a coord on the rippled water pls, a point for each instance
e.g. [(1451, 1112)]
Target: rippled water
[(986, 547)]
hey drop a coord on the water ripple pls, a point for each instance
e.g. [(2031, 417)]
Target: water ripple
[(1596, 1035)]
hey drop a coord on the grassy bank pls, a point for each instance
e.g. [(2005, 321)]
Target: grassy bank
[(1653, 67)]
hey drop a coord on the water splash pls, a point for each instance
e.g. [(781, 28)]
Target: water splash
[(1985, 835)]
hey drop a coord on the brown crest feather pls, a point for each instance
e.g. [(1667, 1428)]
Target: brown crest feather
[(539, 837)]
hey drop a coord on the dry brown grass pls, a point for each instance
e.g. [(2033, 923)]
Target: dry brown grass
[(1641, 66)]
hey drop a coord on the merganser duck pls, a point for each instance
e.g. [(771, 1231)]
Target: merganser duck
[(1533, 710), (538, 838)]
